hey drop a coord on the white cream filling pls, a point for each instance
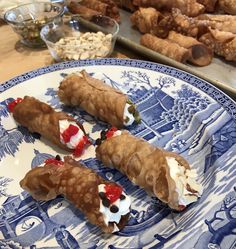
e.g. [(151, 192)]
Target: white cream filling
[(123, 205), (182, 177), (128, 115), (74, 140)]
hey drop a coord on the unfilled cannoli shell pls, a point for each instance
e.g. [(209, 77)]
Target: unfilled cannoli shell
[(228, 6), (76, 183), (165, 47), (94, 96), (144, 164), (188, 7), (41, 118), (201, 55), (222, 43)]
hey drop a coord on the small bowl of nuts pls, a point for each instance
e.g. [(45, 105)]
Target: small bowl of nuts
[(27, 20), (79, 39)]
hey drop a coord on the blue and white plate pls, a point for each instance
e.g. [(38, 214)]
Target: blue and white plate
[(180, 113)]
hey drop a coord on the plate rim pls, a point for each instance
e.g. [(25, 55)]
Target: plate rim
[(208, 88)]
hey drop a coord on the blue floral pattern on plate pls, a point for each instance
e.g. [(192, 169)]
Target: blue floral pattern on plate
[(180, 113)]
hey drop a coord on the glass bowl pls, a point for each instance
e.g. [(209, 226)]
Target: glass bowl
[(81, 39), (28, 19)]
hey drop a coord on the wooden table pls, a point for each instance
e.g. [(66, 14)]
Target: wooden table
[(15, 58)]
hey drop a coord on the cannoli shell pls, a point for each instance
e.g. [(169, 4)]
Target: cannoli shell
[(222, 43), (208, 4), (94, 96), (165, 47), (144, 164), (201, 55), (41, 118), (76, 183), (187, 7), (228, 6), (85, 12)]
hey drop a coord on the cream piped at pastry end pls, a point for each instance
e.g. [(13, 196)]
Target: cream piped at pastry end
[(74, 139), (113, 210), (185, 180), (130, 115)]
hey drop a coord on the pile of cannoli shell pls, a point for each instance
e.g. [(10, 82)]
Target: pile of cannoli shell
[(186, 31)]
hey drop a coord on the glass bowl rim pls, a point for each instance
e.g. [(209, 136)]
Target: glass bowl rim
[(60, 13), (46, 26)]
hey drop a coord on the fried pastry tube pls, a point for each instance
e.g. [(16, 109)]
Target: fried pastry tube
[(208, 4), (104, 203), (57, 127), (165, 174), (187, 7), (165, 47), (221, 22), (228, 6), (150, 20), (98, 99), (86, 13), (222, 43), (125, 4), (105, 7), (201, 55)]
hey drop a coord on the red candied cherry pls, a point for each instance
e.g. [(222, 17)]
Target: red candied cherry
[(53, 161), (69, 132), (13, 103), (113, 192), (111, 132)]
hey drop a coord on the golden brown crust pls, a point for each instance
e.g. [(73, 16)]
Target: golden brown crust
[(76, 183), (228, 6), (41, 118), (94, 96), (144, 164), (201, 55), (187, 7), (165, 47), (222, 43)]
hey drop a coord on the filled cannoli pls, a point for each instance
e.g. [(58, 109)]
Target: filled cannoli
[(57, 127), (228, 6), (188, 7), (201, 55), (222, 43), (104, 203), (98, 99), (165, 174), (165, 47)]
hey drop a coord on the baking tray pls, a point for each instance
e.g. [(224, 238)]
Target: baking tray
[(220, 72)]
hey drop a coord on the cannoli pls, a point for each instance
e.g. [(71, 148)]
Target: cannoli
[(187, 7), (186, 25), (105, 7), (83, 11), (221, 22), (98, 99), (58, 127), (104, 203), (165, 174), (165, 47), (201, 55), (228, 6), (150, 20), (222, 43), (145, 19), (125, 4)]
